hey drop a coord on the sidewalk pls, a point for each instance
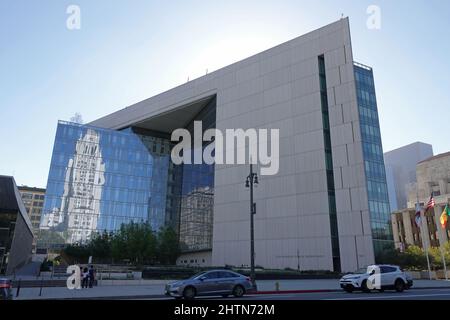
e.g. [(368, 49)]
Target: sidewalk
[(157, 289)]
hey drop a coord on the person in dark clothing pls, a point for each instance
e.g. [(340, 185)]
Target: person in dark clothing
[(91, 276), (85, 275)]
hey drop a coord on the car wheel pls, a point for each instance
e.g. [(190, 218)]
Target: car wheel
[(364, 287), (238, 291), (399, 285), (189, 293)]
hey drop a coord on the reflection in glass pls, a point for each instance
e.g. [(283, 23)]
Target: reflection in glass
[(101, 178)]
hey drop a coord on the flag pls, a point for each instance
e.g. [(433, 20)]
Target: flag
[(418, 218), (444, 217), (430, 203)]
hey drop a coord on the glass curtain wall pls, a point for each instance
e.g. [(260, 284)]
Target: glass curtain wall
[(100, 179), (197, 196), (373, 159)]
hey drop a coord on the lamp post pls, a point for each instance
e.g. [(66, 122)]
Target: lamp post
[(252, 179)]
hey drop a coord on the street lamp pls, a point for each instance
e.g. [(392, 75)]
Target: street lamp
[(252, 179)]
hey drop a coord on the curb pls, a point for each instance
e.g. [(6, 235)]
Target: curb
[(332, 290), (133, 297), (297, 291)]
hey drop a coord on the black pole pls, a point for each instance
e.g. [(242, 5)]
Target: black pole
[(18, 289), (252, 231), (42, 283)]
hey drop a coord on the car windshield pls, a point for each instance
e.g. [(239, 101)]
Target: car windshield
[(197, 275), (361, 271)]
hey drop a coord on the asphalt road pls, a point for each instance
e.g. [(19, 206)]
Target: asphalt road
[(413, 294)]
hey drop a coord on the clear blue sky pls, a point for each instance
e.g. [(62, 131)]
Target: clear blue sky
[(127, 51)]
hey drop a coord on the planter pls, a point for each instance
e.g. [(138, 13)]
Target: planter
[(424, 275), (416, 275), (440, 274)]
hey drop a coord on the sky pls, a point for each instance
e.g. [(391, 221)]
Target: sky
[(129, 50)]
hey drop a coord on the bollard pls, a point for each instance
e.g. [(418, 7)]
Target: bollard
[(277, 286), (18, 289), (42, 283)]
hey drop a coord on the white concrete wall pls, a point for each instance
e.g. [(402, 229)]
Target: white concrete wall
[(279, 88), (203, 258)]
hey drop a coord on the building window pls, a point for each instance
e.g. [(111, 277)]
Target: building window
[(329, 165)]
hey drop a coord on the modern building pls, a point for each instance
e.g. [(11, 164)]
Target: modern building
[(33, 199), (401, 171), (16, 231), (433, 177), (326, 208)]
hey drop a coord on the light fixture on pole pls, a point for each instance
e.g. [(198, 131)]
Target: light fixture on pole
[(252, 179)]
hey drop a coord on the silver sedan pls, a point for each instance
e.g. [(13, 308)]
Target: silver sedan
[(214, 282)]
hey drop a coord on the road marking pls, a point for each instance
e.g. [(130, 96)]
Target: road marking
[(389, 296)]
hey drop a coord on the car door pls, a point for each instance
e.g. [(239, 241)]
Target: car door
[(387, 274), (207, 283), (391, 273), (226, 282)]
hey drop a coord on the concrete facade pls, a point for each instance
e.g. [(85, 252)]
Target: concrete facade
[(401, 171), (16, 232), (279, 88)]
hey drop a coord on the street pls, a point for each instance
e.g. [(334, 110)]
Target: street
[(413, 294)]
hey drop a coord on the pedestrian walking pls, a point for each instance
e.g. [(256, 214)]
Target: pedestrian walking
[(91, 276), (85, 281)]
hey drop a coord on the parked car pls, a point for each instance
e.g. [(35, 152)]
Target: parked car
[(377, 277), (215, 282), (5, 289)]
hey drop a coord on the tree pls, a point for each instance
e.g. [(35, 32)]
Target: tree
[(100, 246), (135, 242), (77, 252), (168, 246), (390, 255), (415, 258)]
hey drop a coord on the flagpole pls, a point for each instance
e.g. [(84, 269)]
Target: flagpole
[(440, 245), (425, 243), (425, 246)]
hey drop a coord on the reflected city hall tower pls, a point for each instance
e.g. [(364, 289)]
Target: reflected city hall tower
[(196, 219), (83, 183)]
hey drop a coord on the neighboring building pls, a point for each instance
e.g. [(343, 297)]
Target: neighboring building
[(433, 177), (33, 199), (406, 232), (16, 232), (401, 171), (327, 207)]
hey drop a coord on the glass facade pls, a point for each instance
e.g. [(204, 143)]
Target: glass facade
[(329, 167), (101, 178), (373, 159), (197, 196)]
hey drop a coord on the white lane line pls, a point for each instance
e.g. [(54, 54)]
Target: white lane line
[(402, 296)]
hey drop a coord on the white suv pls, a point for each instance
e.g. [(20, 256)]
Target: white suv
[(377, 277)]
